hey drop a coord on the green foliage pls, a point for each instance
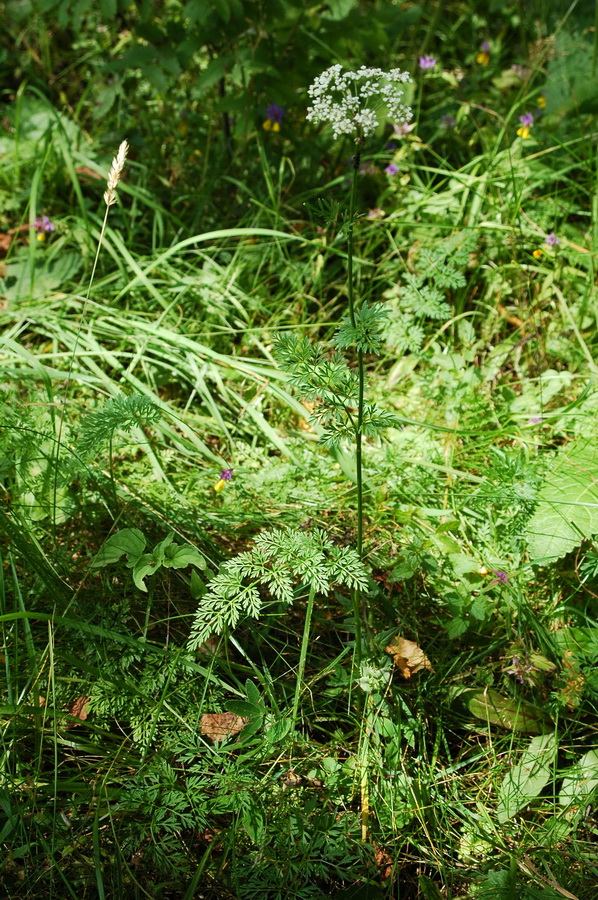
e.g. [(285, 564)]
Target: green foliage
[(366, 334), (567, 510), (280, 561), (323, 378), (422, 294), (525, 781), (123, 412), (167, 554)]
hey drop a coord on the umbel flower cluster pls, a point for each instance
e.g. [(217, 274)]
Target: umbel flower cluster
[(352, 101)]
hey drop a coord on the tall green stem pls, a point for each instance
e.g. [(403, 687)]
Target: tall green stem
[(359, 425), (303, 653)]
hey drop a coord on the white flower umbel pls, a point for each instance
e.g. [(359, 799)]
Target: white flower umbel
[(354, 102)]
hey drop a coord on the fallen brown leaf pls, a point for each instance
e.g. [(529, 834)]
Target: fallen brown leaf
[(79, 708), (219, 726), (407, 656)]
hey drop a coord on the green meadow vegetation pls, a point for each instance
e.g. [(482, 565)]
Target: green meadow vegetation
[(298, 449)]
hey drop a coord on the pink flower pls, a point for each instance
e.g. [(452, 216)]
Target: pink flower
[(391, 169)]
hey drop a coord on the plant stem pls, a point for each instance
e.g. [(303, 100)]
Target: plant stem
[(303, 654), (359, 425)]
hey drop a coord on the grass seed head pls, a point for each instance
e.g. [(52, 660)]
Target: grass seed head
[(116, 169)]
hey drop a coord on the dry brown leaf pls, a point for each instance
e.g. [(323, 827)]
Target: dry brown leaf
[(407, 656), (218, 726), (79, 708), (383, 861)]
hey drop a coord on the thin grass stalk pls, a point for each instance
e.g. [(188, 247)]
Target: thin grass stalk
[(303, 653), (114, 177)]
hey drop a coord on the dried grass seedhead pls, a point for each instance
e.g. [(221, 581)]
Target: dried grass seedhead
[(116, 170)]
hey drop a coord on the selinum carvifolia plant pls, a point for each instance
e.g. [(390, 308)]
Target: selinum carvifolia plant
[(355, 104), (287, 561)]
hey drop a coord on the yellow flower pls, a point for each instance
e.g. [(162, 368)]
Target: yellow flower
[(483, 58), (524, 132), (41, 237), (541, 101), (267, 124), (219, 486), (537, 253)]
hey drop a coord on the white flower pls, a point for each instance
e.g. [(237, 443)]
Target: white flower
[(352, 101)]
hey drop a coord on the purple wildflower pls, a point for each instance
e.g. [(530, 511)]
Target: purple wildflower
[(275, 113), (448, 121), (502, 576), (227, 474), (44, 225), (535, 420), (522, 669), (274, 116), (485, 47), (427, 62), (527, 120), (552, 239), (391, 169), (392, 145)]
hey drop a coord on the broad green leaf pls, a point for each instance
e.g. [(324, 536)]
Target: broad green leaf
[(178, 556), (129, 541), (145, 565), (20, 282), (253, 694), (581, 781), (578, 640), (277, 731), (567, 510), (244, 709), (161, 549), (515, 715), (527, 780), (198, 586)]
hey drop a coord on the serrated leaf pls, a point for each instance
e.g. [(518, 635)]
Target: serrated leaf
[(129, 541), (527, 780), (567, 510), (581, 781), (515, 715)]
